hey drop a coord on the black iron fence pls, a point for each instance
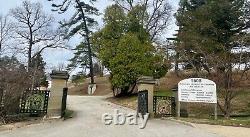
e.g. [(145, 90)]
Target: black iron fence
[(34, 101), (164, 106), (143, 102)]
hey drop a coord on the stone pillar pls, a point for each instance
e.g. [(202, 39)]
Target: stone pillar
[(59, 81), (148, 83)]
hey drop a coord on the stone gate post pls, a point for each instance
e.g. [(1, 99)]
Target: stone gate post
[(148, 83), (59, 82)]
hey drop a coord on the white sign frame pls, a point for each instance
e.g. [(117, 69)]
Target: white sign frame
[(197, 90)]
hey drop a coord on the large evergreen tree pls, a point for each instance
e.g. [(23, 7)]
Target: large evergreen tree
[(80, 58), (125, 48)]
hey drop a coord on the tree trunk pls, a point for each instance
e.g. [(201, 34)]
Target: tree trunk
[(30, 47), (102, 69), (227, 108), (29, 57), (228, 91), (88, 43), (0, 50), (176, 68)]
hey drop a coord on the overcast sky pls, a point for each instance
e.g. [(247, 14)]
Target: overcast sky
[(54, 57)]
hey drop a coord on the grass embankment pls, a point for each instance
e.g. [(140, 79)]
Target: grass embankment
[(233, 121), (102, 87)]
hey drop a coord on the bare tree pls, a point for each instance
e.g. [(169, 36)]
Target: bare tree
[(35, 29), (155, 14), (5, 30)]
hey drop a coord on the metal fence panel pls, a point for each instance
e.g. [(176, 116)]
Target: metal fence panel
[(34, 102), (164, 106)]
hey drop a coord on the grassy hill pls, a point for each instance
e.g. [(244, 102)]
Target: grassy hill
[(103, 87)]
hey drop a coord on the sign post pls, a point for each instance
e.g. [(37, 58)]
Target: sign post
[(215, 111), (197, 90), (178, 109)]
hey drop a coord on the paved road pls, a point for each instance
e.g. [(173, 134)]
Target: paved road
[(87, 123)]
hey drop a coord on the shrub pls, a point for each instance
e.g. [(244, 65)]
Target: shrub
[(13, 81)]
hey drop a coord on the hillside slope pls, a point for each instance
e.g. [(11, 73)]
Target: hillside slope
[(103, 87)]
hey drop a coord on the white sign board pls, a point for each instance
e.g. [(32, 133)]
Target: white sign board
[(197, 90)]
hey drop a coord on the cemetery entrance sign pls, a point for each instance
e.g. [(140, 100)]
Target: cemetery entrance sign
[(197, 90)]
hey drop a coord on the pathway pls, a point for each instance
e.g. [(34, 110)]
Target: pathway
[(87, 123)]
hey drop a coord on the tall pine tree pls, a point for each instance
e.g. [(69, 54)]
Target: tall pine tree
[(80, 59), (79, 23)]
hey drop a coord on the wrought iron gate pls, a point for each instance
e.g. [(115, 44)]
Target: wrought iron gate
[(143, 102), (164, 106), (64, 101), (34, 101)]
